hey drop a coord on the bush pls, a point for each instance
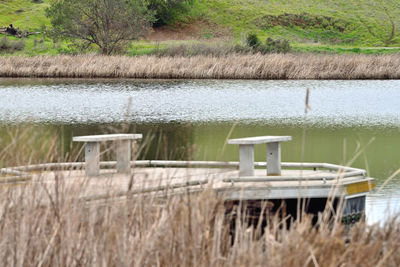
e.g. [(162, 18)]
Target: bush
[(9, 46), (270, 46), (168, 11), (276, 46), (252, 40)]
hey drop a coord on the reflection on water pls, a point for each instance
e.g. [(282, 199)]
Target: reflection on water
[(333, 102), (191, 119)]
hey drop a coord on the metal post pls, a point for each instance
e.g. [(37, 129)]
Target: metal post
[(274, 158), (92, 158), (123, 156), (246, 160)]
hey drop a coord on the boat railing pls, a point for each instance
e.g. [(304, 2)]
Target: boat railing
[(333, 171)]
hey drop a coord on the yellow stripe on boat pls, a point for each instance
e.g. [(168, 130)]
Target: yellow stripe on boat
[(361, 187)]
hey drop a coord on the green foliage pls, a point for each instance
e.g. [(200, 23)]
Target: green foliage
[(252, 40), (23, 14), (270, 46), (323, 49), (276, 46), (68, 50), (346, 22), (379, 18), (108, 24), (169, 11), (207, 34), (312, 26)]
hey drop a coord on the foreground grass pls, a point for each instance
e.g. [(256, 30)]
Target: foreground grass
[(49, 225), (236, 66)]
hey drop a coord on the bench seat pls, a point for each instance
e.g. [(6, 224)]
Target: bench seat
[(246, 153), (92, 151)]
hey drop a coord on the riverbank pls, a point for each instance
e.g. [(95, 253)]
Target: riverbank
[(273, 66)]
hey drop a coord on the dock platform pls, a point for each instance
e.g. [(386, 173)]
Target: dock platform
[(313, 184), (243, 181)]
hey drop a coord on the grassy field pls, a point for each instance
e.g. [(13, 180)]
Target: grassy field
[(24, 14), (310, 25), (346, 22)]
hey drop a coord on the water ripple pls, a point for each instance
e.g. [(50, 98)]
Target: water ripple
[(332, 102)]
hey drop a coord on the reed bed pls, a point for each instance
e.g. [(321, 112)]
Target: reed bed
[(47, 225), (235, 66)]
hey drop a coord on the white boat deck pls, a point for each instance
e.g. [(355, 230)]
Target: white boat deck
[(173, 180)]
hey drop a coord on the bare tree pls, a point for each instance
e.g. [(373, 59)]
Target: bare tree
[(108, 24)]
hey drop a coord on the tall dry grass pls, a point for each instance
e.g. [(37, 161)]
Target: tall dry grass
[(273, 66), (38, 228), (49, 224)]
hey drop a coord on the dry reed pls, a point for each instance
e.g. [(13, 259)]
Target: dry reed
[(182, 231), (47, 224), (273, 66)]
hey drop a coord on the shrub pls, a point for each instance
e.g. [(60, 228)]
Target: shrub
[(168, 11), (270, 46), (9, 46), (252, 40), (277, 46)]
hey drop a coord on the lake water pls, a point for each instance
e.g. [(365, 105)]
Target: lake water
[(192, 119)]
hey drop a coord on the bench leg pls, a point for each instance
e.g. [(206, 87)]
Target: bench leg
[(124, 156), (246, 160), (274, 158), (92, 158)]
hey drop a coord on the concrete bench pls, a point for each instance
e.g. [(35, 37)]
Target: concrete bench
[(92, 151), (246, 153)]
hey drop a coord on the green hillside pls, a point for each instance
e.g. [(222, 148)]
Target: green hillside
[(24, 14), (344, 22), (309, 25)]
